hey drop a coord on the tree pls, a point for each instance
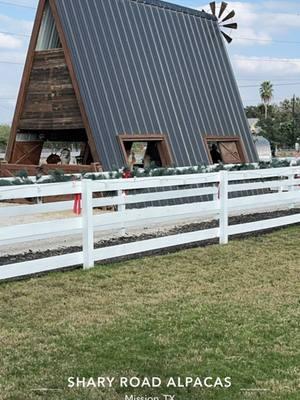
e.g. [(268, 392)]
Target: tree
[(266, 94), (283, 123), (4, 134), (253, 111), (259, 111), (291, 110)]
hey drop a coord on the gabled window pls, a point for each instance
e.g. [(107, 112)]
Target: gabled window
[(48, 36), (145, 151), (227, 150)]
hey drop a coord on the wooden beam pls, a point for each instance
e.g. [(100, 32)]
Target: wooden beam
[(25, 80)]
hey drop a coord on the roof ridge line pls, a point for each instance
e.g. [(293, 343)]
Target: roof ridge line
[(178, 8)]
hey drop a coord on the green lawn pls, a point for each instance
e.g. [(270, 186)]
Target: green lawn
[(230, 311)]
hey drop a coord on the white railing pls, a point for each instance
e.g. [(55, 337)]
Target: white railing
[(213, 190)]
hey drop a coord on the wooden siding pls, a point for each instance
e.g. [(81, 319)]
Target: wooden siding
[(10, 170), (28, 152), (50, 103)]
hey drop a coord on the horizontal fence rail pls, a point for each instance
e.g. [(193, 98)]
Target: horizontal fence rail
[(107, 206)]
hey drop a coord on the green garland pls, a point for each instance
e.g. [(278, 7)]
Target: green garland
[(59, 176)]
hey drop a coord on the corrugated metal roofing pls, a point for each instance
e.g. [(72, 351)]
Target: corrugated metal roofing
[(153, 67)]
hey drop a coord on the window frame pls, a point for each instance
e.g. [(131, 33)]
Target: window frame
[(163, 148), (238, 140)]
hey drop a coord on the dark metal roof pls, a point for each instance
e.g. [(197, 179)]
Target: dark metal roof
[(152, 67), (174, 7)]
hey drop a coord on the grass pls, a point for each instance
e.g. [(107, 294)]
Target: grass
[(216, 311)]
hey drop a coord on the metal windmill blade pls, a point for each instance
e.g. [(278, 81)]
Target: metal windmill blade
[(213, 7), (229, 16), (227, 37), (222, 9), (234, 25)]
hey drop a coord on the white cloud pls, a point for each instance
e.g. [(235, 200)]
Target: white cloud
[(278, 6), (9, 24), (9, 42), (13, 56)]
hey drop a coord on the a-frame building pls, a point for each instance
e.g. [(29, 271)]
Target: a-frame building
[(113, 74)]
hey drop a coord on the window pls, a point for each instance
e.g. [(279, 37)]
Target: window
[(228, 150), (145, 151), (48, 36)]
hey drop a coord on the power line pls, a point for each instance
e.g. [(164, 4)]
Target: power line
[(8, 3), (236, 38), (15, 34), (4, 107), (236, 58), (274, 99), (267, 40), (265, 12), (284, 60), (11, 62), (276, 84), (273, 79)]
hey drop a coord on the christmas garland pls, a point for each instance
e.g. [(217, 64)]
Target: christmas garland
[(22, 178)]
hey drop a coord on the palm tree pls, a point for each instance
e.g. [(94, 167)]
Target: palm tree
[(266, 94)]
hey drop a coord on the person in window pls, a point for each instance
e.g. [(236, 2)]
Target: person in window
[(65, 156), (131, 160), (215, 154), (152, 156), (147, 161)]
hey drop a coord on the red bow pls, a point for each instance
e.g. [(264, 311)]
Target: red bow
[(77, 204)]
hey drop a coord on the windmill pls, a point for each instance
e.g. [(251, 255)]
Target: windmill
[(223, 22)]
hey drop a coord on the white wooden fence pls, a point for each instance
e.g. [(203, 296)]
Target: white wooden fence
[(281, 183)]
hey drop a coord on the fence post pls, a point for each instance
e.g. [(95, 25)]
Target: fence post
[(223, 207), (122, 207), (217, 195), (87, 224), (292, 184), (291, 188)]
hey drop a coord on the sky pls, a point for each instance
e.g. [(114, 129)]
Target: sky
[(266, 46)]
